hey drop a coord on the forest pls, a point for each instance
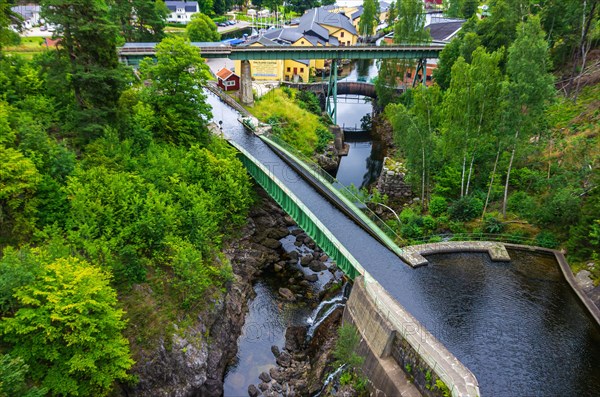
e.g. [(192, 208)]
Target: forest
[(110, 179), (505, 140), (105, 183)]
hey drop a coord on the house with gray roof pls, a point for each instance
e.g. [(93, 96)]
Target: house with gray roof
[(181, 11), (30, 14)]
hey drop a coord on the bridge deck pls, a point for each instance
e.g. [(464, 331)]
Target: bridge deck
[(219, 50)]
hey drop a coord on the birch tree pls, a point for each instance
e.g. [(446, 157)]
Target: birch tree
[(529, 87)]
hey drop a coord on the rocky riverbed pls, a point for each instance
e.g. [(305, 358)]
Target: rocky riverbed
[(192, 359)]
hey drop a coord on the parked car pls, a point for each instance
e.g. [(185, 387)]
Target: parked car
[(43, 28), (221, 24), (231, 22)]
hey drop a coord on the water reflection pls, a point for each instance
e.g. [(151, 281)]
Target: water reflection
[(518, 326), (363, 163)]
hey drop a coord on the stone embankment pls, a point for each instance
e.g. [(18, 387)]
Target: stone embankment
[(391, 182), (414, 254)]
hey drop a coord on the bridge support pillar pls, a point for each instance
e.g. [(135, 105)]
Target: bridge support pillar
[(246, 84), (332, 91)]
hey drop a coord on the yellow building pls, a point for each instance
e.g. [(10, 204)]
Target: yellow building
[(317, 27)]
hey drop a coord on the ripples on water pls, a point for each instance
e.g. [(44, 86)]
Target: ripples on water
[(518, 326)]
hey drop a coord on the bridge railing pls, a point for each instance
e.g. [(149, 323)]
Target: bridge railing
[(349, 194), (511, 238)]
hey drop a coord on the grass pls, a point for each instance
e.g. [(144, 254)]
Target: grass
[(297, 126), (28, 48)]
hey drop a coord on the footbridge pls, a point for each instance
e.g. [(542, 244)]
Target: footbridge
[(343, 88)]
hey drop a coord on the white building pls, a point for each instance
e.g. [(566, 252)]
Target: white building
[(30, 14), (181, 11)]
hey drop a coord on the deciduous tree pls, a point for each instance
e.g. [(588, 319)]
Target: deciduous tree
[(68, 330), (140, 20), (202, 28)]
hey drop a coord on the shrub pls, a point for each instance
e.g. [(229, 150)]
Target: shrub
[(546, 239), (465, 208), (324, 136), (308, 101), (491, 224), (522, 204), (438, 206)]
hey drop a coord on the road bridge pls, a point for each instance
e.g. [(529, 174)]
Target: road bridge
[(133, 53)]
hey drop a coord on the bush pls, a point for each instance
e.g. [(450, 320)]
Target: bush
[(546, 239), (308, 101), (491, 224), (465, 208), (438, 206), (522, 204), (324, 136)]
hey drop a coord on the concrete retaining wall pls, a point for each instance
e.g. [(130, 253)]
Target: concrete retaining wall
[(395, 341)]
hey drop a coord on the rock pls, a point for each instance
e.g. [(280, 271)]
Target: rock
[(306, 259), (583, 280), (323, 258), (271, 243), (263, 387), (297, 232), (301, 237), (317, 266), (275, 374), (297, 243), (284, 360), (288, 220), (265, 377), (292, 255), (253, 391), (311, 277), (294, 338), (277, 267), (287, 294), (275, 351)]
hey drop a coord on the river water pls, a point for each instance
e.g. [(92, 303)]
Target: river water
[(362, 165)]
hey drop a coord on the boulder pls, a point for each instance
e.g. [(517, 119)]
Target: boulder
[(294, 338), (311, 277), (306, 259), (287, 294), (253, 391), (317, 266), (265, 377), (275, 351), (284, 360), (271, 243)]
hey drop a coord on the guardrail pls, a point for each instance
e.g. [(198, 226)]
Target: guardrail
[(336, 250), (458, 378), (386, 235), (500, 237)]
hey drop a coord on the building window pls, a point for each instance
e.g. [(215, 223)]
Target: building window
[(348, 42), (301, 70), (289, 70), (230, 83), (302, 42), (343, 44), (342, 34)]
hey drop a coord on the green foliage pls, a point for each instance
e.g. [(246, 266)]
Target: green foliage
[(345, 347), (18, 183), (465, 208), (560, 207), (438, 206), (442, 387), (13, 375), (202, 28), (493, 225), (522, 204), (87, 62), (295, 125), (369, 18), (546, 239), (324, 136), (140, 20), (68, 329), (175, 93), (307, 100)]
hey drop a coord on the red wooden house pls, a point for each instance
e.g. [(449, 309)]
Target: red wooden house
[(227, 80)]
